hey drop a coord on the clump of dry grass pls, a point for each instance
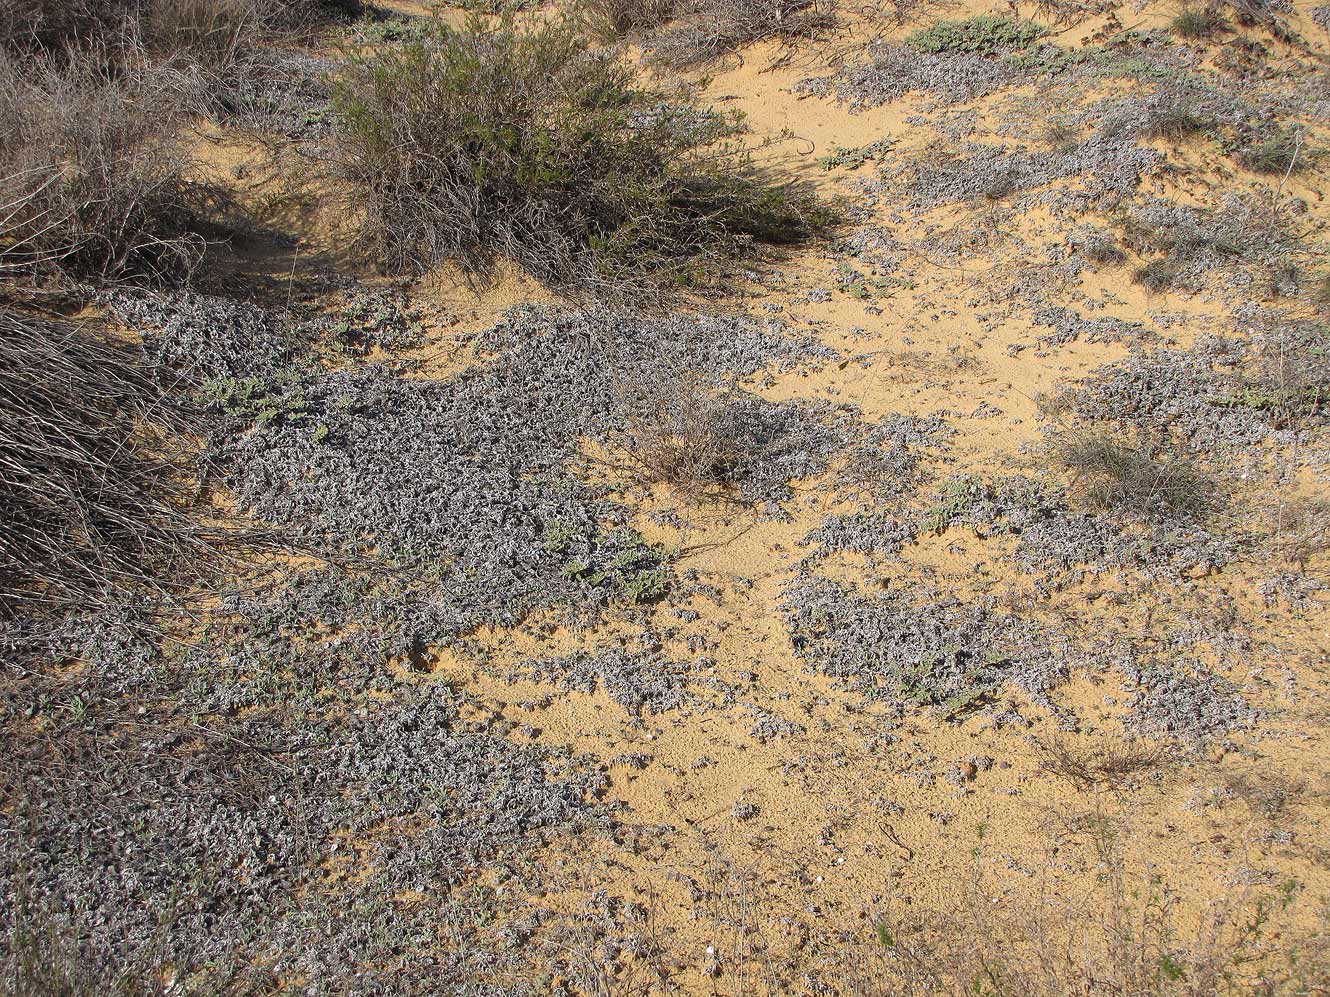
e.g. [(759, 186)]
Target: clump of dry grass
[(1197, 23), (493, 142), (1131, 475), (1089, 766), (92, 462), (680, 429), (610, 20), (709, 30), (93, 178)]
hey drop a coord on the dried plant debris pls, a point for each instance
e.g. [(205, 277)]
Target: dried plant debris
[(916, 649), (709, 30), (680, 429), (97, 466)]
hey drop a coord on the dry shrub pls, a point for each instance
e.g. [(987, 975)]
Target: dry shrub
[(56, 25), (91, 463), (680, 429), (92, 177), (1137, 476), (711, 29), (493, 143), (610, 20), (1089, 766), (203, 27)]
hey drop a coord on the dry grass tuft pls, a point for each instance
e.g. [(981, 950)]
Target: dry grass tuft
[(1133, 475), (682, 430), (93, 179), (1091, 766), (92, 464)]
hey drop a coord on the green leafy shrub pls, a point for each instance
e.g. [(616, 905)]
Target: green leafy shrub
[(987, 34), (491, 143)]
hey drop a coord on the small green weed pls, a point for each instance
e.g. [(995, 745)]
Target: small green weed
[(620, 563), (843, 158)]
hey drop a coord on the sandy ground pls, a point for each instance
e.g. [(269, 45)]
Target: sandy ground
[(779, 844)]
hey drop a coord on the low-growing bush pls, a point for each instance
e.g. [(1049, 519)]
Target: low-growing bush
[(711, 29), (681, 430), (91, 470), (93, 180), (1132, 475), (987, 34), (488, 143), (610, 20)]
